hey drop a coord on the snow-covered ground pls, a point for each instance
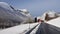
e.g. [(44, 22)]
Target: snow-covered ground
[(55, 22), (34, 31), (18, 29)]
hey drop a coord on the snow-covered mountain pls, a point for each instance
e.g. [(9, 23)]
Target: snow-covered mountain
[(26, 14), (7, 12), (48, 15), (10, 15)]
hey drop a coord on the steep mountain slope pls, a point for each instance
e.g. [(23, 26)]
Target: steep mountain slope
[(10, 16)]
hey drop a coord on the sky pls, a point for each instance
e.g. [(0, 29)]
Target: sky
[(35, 7)]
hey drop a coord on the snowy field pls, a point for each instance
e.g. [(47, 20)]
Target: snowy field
[(18, 29), (55, 22)]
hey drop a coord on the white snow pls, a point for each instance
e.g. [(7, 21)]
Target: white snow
[(55, 22), (50, 13), (34, 31), (24, 10), (17, 29)]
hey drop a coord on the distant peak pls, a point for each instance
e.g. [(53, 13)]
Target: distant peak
[(24, 10)]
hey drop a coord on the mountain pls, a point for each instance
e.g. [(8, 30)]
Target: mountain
[(26, 15), (10, 16), (48, 15)]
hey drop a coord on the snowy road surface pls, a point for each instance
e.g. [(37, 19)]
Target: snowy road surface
[(50, 27), (34, 31), (46, 28), (18, 29)]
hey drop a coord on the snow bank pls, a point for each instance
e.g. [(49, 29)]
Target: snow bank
[(17, 29), (34, 31), (55, 22)]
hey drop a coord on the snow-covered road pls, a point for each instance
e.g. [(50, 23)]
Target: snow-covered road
[(34, 31), (18, 29)]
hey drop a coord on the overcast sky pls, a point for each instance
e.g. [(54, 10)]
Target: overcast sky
[(35, 7)]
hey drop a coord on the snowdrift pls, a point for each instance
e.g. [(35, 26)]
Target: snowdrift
[(20, 29), (55, 22)]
